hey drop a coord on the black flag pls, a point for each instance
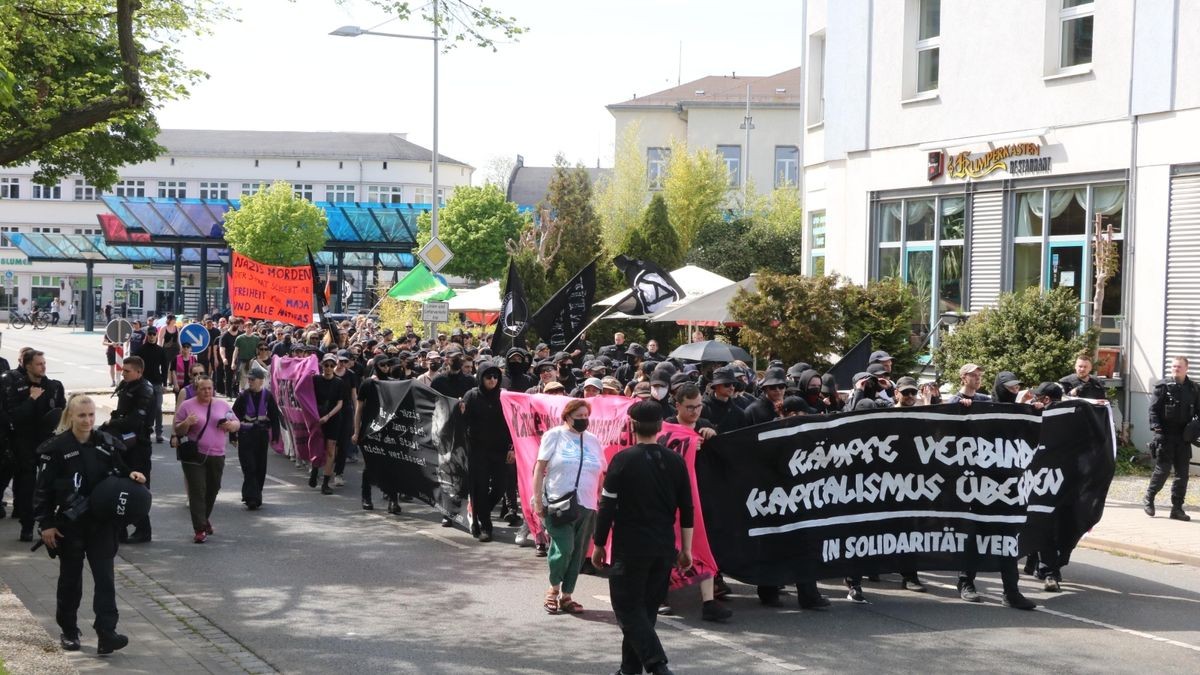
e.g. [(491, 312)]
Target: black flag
[(514, 314), (651, 287), (565, 314), (318, 289), (855, 361)]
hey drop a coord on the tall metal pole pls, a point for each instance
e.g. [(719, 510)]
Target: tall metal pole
[(747, 124), (433, 214)]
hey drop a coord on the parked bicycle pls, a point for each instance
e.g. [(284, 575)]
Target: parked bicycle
[(38, 319)]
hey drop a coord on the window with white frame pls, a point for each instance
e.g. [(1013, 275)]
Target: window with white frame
[(787, 158), (214, 190), (249, 189), (303, 191), (5, 231), (815, 70), (385, 194), (130, 188), (732, 156), (10, 188), (340, 193), (47, 230), (83, 191), (172, 189), (1075, 19), (423, 195), (656, 166), (929, 43), (47, 191), (816, 243)]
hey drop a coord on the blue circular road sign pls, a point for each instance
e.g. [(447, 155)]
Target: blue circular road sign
[(195, 335)]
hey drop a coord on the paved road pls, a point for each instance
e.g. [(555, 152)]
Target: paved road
[(313, 584), (73, 356)]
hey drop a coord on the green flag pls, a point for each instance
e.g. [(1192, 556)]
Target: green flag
[(420, 285)]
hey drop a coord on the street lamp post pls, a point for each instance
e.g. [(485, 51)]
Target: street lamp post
[(355, 31)]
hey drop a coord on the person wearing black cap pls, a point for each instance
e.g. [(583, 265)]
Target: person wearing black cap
[(546, 372), (330, 392), (72, 464), (906, 393), (719, 407), (634, 357), (866, 388), (830, 394), (660, 388), (645, 487), (453, 382), (516, 371), (768, 406), (1006, 387), (366, 410), (259, 415), (566, 374), (489, 448), (795, 377)]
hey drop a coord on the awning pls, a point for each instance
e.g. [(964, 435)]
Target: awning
[(41, 247), (486, 298), (710, 309), (695, 282)]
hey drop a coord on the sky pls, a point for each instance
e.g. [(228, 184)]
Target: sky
[(277, 68)]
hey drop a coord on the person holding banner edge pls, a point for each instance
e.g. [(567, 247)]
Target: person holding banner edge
[(569, 462)]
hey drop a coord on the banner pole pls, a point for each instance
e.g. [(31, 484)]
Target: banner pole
[(603, 314)]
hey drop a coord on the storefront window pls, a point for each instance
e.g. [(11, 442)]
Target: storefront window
[(920, 281), (1068, 212), (950, 279), (1029, 213), (1027, 266), (889, 263), (920, 220), (816, 247), (889, 221)]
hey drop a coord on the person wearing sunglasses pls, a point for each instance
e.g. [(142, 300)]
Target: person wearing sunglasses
[(330, 392), (489, 448)]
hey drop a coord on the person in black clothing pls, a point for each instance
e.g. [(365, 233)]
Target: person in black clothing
[(516, 371), (454, 383), (368, 407), (156, 370), (767, 407), (228, 358), (73, 463), (259, 415), (719, 407), (645, 487), (1174, 403), (809, 391), (346, 448), (489, 448), (1006, 387), (566, 372), (133, 422), (28, 396), (634, 357), (330, 393), (1081, 384)]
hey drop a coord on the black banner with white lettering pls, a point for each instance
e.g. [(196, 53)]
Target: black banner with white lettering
[(931, 488), (565, 314), (414, 446)]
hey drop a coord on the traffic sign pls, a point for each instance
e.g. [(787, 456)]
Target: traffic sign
[(195, 335), (435, 255), (435, 312), (118, 330)]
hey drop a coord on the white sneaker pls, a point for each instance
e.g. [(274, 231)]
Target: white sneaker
[(338, 481)]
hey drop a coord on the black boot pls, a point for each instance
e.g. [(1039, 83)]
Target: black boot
[(1148, 505), (140, 535), (69, 640), (27, 533), (110, 641), (368, 505), (312, 477), (325, 489), (1015, 600), (394, 506), (1177, 513)]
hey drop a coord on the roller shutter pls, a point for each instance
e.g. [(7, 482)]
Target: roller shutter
[(1183, 270), (987, 249)]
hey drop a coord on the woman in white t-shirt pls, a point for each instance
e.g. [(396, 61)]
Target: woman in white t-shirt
[(569, 460)]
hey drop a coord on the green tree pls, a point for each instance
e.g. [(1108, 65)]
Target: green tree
[(1033, 334), (276, 227), (790, 317), (654, 239), (570, 221), (768, 236), (696, 185), (475, 224), (85, 76), (881, 309), (621, 197)]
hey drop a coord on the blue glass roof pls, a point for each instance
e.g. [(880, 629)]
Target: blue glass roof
[(363, 226), (40, 247)]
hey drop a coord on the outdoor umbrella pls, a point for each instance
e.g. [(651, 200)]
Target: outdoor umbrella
[(710, 350)]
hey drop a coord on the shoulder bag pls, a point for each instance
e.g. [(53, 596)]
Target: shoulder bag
[(566, 509), (187, 450)]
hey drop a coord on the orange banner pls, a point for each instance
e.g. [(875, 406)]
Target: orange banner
[(271, 292)]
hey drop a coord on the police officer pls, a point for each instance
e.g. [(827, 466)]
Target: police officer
[(28, 396), (645, 486), (72, 464), (1175, 402), (133, 423)]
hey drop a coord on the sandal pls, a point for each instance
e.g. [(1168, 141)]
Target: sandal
[(551, 602), (567, 605)]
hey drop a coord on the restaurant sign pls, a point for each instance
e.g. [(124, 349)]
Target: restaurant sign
[(1017, 159)]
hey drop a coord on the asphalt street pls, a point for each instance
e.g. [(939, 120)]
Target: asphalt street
[(72, 355), (313, 584)]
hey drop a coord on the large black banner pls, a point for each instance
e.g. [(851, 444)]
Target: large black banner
[(931, 488), (413, 446), (565, 314)]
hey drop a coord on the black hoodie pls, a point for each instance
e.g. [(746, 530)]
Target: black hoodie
[(1000, 393), (484, 418)]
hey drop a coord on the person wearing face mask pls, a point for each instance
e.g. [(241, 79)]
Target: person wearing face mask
[(834, 402), (453, 382), (809, 393), (516, 372), (796, 380), (489, 448), (434, 360), (1006, 387), (566, 374), (768, 406), (364, 412), (660, 391), (634, 356), (569, 460)]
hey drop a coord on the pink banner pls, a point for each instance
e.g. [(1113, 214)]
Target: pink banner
[(292, 384), (530, 415)]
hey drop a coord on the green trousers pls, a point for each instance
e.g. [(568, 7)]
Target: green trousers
[(568, 546)]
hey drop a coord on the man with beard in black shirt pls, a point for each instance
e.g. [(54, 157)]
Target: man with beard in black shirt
[(1081, 384)]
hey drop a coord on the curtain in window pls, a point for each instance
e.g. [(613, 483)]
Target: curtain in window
[(1108, 200), (1031, 203)]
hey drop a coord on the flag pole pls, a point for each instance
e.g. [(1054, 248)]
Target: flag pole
[(611, 308)]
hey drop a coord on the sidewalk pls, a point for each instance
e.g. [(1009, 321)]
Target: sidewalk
[(1125, 529)]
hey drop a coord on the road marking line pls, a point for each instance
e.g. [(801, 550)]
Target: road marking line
[(679, 625), (1090, 622)]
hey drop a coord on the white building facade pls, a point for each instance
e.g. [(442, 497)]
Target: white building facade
[(969, 147), (711, 113), (205, 164)]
